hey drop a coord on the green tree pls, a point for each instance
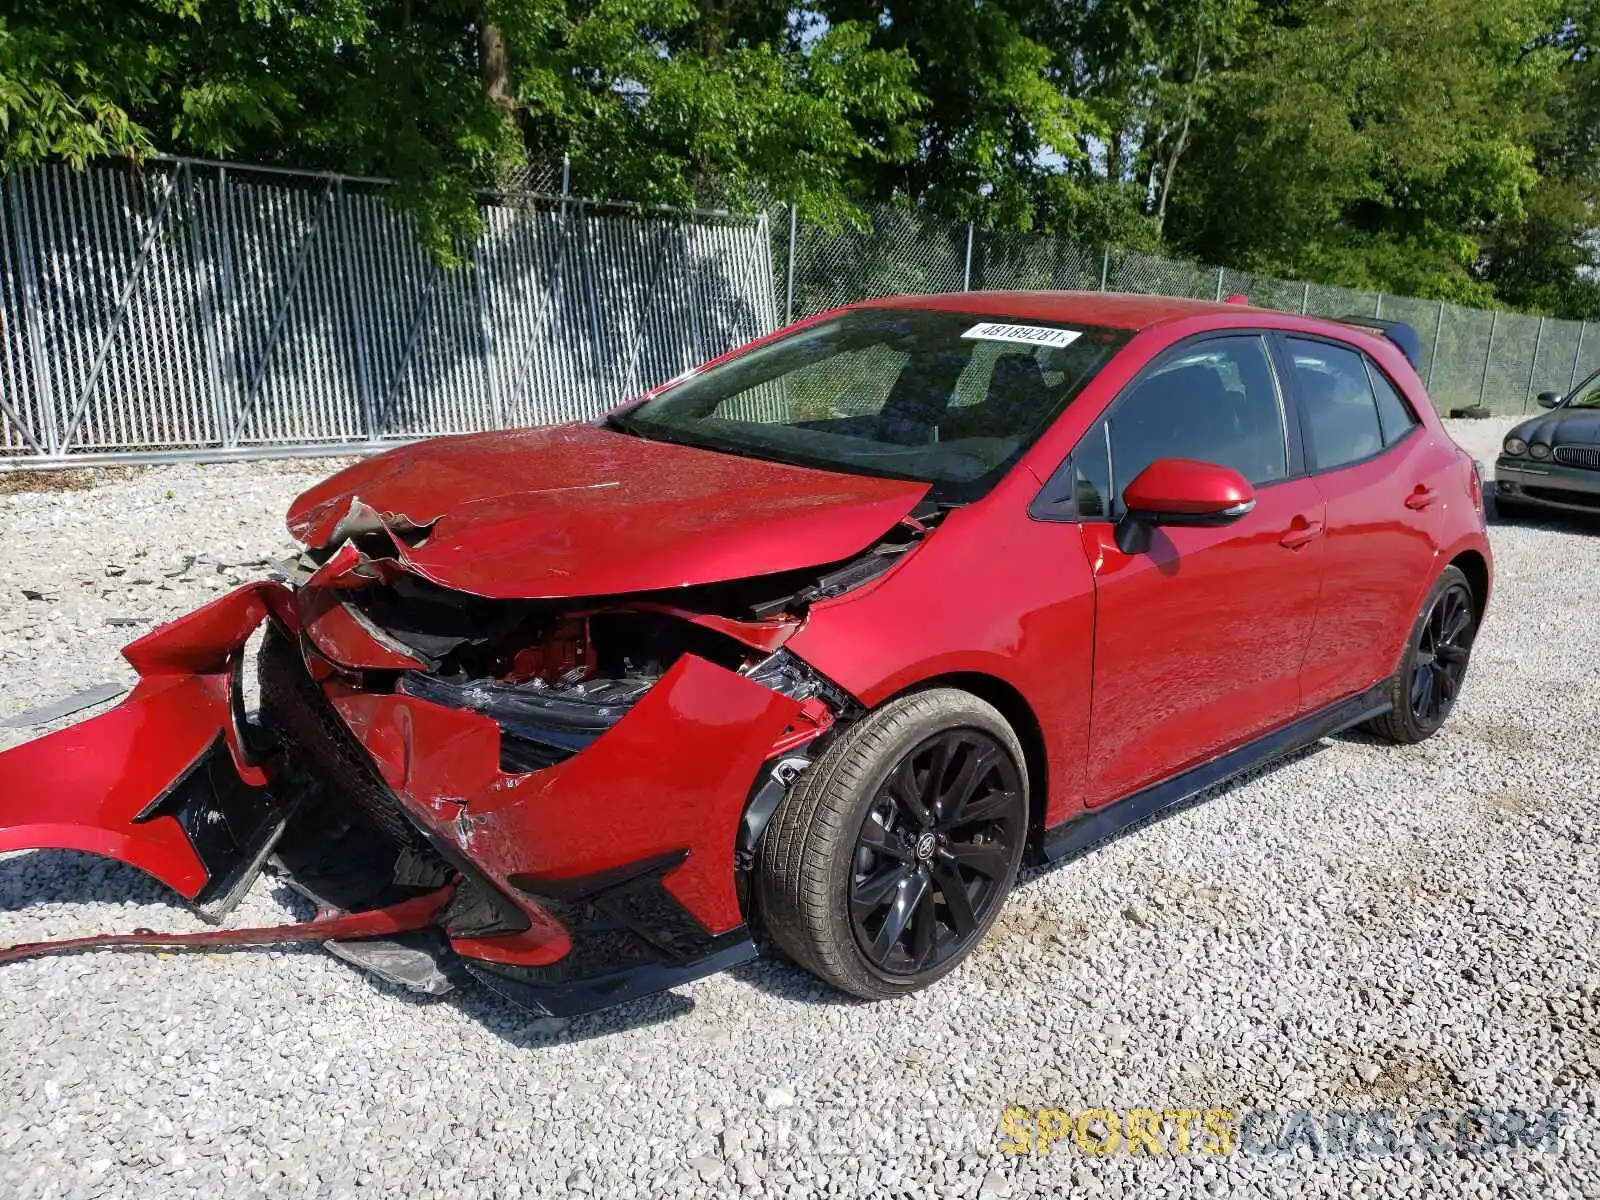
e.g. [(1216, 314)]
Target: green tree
[(1369, 144), (995, 119), (655, 100), (1547, 260), (1147, 73)]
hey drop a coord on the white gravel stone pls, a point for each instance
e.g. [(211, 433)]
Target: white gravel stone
[(1431, 912)]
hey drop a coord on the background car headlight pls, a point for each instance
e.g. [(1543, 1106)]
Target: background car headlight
[(1539, 450), (1516, 447)]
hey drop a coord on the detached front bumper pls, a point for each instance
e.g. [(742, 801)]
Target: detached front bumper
[(163, 781), (1547, 484), (606, 876)]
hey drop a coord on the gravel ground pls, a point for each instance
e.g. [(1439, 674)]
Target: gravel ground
[(1364, 927)]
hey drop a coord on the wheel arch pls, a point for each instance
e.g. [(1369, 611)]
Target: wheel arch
[(1019, 714), (1475, 567)]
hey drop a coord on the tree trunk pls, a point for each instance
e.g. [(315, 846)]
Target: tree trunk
[(495, 67), (1181, 140)]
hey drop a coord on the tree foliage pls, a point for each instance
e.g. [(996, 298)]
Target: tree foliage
[(1446, 148)]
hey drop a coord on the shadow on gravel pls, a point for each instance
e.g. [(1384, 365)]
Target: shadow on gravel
[(1029, 874), (40, 877), (1557, 519), (777, 976), (780, 978), (63, 877), (527, 1031)]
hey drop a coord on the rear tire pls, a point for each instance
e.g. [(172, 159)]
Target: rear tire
[(893, 855), (1424, 691)]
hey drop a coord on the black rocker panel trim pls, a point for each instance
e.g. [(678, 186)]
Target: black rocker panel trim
[(1089, 829)]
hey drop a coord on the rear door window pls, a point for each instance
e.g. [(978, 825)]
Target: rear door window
[(1337, 400)]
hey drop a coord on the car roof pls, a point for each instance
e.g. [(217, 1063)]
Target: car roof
[(1117, 310)]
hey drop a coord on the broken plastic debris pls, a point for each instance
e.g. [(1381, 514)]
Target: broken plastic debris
[(77, 702)]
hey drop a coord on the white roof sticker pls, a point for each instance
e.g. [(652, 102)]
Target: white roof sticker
[(1028, 335)]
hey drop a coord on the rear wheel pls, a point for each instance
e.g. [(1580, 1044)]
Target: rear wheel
[(893, 855), (1425, 689)]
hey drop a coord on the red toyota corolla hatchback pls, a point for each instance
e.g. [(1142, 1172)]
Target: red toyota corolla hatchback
[(818, 640)]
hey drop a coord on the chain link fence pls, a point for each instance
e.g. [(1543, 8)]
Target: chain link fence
[(205, 310), (1471, 357), (195, 309)]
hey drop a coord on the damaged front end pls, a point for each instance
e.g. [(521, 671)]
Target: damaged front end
[(558, 796)]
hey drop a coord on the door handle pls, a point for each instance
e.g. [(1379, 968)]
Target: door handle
[(1421, 498), (1301, 533)]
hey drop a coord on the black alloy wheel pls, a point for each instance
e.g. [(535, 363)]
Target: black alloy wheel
[(892, 856), (1440, 662), (1423, 692), (934, 855)]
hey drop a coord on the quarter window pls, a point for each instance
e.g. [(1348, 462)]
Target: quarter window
[(1337, 398), (1216, 402), (1394, 414)]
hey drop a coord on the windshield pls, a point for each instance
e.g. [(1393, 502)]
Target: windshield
[(949, 399), (1585, 395)]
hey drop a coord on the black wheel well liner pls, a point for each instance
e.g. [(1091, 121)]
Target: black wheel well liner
[(1014, 707), (1473, 565)]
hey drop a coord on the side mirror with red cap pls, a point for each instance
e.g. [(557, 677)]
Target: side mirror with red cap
[(1180, 491)]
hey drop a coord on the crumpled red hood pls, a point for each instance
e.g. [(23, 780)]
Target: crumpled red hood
[(579, 510)]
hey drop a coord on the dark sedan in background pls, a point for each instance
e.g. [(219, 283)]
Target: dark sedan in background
[(1552, 461)]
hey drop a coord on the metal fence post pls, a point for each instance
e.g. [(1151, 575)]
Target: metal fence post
[(788, 296), (42, 389), (208, 304), (592, 264), (491, 371), (1305, 300), (1377, 307), (1533, 367), (1433, 359), (1220, 272), (1105, 268), (369, 415), (1488, 357), (966, 271), (16, 411), (228, 352), (1577, 357)]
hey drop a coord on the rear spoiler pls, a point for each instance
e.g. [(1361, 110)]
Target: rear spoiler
[(1398, 332)]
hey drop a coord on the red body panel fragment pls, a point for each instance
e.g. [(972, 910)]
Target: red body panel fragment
[(343, 636), (83, 787)]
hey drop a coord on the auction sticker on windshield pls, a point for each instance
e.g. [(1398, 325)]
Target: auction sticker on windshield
[(1030, 335)]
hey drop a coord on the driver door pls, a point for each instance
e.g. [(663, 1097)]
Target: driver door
[(1199, 640)]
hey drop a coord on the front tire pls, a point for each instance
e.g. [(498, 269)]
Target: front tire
[(893, 855), (1424, 690)]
